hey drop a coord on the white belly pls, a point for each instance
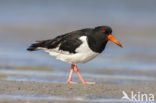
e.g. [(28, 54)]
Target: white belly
[(83, 53)]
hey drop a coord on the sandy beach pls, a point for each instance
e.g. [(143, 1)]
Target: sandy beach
[(38, 92), (26, 84)]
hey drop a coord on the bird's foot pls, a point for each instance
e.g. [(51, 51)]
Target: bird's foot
[(71, 82), (89, 83)]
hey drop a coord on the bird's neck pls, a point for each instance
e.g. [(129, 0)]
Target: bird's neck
[(97, 43)]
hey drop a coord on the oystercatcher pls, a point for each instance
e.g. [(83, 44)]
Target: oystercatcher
[(78, 46)]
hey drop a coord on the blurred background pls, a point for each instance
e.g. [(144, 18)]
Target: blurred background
[(22, 22)]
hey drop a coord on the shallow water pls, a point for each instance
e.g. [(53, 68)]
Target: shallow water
[(56, 98), (120, 67)]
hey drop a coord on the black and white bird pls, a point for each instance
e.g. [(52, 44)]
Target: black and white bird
[(76, 47)]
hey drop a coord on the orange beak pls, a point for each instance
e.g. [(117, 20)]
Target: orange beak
[(111, 38)]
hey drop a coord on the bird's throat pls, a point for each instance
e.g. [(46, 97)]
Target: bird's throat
[(97, 44)]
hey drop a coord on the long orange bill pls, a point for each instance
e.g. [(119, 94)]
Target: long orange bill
[(111, 38)]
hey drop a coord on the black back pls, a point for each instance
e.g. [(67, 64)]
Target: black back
[(68, 42), (97, 40)]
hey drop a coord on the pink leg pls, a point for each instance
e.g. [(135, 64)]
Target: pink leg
[(70, 76), (81, 78)]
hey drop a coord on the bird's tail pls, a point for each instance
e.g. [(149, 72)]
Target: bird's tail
[(34, 46)]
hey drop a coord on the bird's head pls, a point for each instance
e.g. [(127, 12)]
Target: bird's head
[(106, 31)]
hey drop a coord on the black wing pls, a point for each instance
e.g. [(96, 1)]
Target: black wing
[(67, 42)]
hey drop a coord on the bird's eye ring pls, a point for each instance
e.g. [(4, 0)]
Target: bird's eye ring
[(103, 30)]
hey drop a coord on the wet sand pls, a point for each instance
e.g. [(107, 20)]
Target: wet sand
[(39, 92), (33, 85), (35, 77)]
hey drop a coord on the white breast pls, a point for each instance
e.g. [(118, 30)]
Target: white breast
[(83, 53)]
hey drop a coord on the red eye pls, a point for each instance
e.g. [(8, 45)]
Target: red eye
[(103, 30)]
